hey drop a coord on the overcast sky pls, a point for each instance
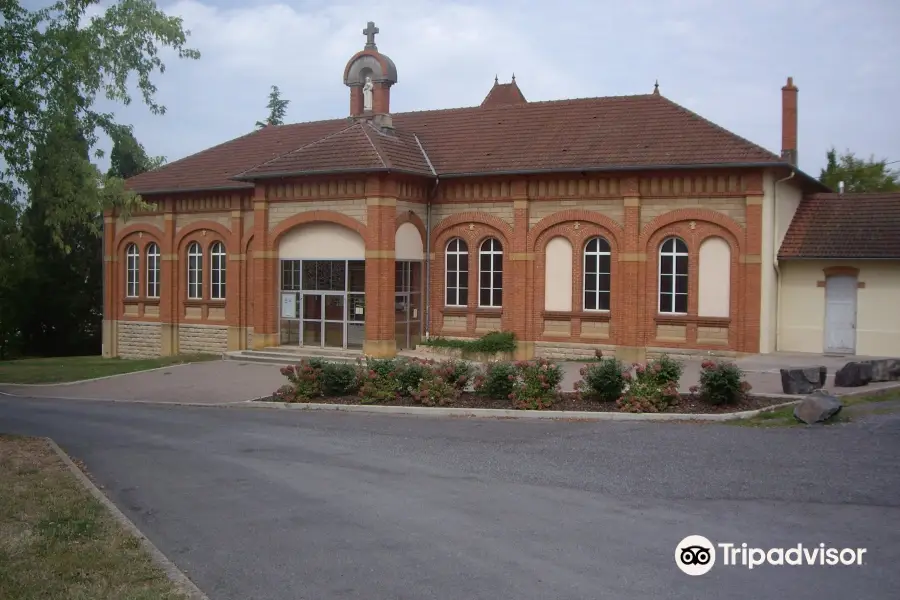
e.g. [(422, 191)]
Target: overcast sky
[(724, 59)]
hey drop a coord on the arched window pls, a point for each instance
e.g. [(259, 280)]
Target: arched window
[(490, 263), (132, 271), (153, 271), (217, 271), (195, 271), (457, 269), (596, 274), (673, 276)]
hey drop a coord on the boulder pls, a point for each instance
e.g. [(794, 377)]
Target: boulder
[(885, 369), (853, 374), (803, 380), (817, 407)]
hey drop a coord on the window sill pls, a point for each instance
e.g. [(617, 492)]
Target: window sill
[(480, 311), (204, 303), (677, 319), (585, 315), (455, 311)]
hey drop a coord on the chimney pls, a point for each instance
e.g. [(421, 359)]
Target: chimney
[(789, 122)]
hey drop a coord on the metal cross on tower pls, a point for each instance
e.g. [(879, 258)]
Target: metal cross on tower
[(370, 32)]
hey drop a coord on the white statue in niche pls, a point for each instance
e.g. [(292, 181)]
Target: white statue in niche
[(367, 93)]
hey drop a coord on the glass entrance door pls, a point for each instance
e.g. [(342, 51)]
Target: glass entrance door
[(323, 319), (408, 303), (323, 303)]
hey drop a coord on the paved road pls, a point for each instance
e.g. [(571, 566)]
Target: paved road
[(262, 504)]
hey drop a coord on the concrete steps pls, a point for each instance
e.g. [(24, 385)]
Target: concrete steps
[(291, 355)]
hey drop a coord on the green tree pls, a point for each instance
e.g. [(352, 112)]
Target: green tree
[(55, 63), (64, 287), (277, 109), (858, 175), (128, 157), (15, 267)]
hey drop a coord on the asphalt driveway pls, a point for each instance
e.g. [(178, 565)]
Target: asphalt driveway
[(261, 504)]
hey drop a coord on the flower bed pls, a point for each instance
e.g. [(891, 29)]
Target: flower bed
[(607, 386)]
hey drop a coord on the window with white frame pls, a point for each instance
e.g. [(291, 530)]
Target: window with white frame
[(153, 271), (132, 271), (673, 276), (490, 269), (195, 271), (596, 274), (217, 268), (457, 273)]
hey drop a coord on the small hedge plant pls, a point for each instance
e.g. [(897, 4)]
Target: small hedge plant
[(491, 343), (721, 382), (605, 380)]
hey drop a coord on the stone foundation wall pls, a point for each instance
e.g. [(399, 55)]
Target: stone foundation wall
[(202, 338), (566, 351), (139, 340)]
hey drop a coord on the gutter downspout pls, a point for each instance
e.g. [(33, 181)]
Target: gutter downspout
[(775, 248), (431, 195)]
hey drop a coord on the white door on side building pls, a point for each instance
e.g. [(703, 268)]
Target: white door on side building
[(840, 314)]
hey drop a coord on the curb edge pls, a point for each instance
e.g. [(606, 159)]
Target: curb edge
[(174, 574)]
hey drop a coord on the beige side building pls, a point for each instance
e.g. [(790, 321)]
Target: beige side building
[(840, 276)]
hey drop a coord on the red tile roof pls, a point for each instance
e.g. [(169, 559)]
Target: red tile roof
[(644, 131), (504, 94), (359, 147), (848, 226)]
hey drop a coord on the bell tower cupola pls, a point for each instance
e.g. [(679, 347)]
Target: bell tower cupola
[(370, 75)]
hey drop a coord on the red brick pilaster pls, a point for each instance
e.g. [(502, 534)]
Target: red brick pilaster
[(631, 330), (381, 224), (265, 324), (234, 298), (169, 280), (751, 268), (519, 275), (112, 292)]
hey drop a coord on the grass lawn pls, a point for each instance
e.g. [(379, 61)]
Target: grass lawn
[(784, 417), (76, 368), (57, 541)]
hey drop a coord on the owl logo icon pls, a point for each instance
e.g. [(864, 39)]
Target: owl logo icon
[(695, 555)]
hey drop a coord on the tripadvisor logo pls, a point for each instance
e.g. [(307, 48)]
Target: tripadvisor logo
[(696, 555)]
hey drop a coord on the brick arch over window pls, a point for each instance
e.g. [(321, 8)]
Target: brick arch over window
[(141, 235), (483, 226), (614, 232), (132, 234), (195, 230), (458, 225), (317, 216), (693, 230), (693, 214), (215, 232), (578, 238), (408, 216)]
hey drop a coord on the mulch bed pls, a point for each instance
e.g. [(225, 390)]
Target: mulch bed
[(568, 402)]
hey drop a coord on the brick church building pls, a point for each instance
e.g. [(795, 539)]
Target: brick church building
[(626, 223)]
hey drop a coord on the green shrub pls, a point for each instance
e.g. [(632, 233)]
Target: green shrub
[(340, 379), (377, 387), (285, 394), (666, 369), (721, 382), (537, 384), (644, 395), (305, 378), (458, 373), (497, 381), (655, 385), (434, 390), (490, 343), (410, 373), (604, 380), (382, 366)]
